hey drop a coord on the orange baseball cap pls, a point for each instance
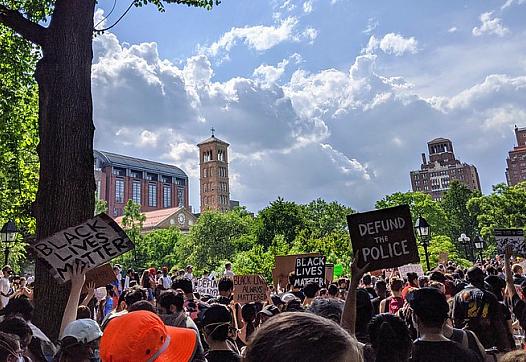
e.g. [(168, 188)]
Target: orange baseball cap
[(141, 336)]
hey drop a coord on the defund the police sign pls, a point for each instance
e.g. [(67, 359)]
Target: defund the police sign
[(91, 243), (383, 238)]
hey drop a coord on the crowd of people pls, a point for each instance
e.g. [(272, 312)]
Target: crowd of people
[(449, 314)]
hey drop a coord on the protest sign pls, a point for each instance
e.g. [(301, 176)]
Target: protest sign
[(207, 286), (101, 276), (91, 243), (515, 237), (249, 288), (284, 264), (310, 269), (383, 238), (410, 268)]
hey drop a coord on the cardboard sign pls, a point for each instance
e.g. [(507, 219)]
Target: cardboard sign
[(101, 276), (207, 286), (410, 268), (310, 269), (383, 238), (284, 264), (93, 243), (249, 288), (514, 237)]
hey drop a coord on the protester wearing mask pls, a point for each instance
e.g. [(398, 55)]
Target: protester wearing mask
[(80, 342), (217, 328)]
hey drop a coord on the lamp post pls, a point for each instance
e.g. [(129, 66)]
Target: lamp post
[(423, 231), (479, 245), (8, 237), (464, 240)]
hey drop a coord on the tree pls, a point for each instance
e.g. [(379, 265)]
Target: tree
[(439, 244), (63, 73), (280, 218), (101, 206), (322, 218), (132, 221), (459, 219), (421, 205)]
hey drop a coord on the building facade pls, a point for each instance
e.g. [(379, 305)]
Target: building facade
[(213, 174), (516, 161), (434, 175), (152, 185)]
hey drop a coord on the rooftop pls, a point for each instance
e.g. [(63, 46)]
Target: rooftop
[(114, 159), (154, 218), (212, 139), (439, 140)]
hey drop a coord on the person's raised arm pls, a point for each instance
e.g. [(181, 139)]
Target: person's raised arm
[(91, 293), (78, 277), (348, 321), (510, 286)]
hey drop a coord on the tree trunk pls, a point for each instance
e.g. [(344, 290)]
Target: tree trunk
[(66, 185)]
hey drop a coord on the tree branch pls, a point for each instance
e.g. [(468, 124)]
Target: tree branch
[(29, 30)]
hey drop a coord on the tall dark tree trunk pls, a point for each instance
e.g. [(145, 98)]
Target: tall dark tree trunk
[(66, 142)]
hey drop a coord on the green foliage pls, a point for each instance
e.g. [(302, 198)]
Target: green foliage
[(459, 219), (280, 218), (132, 221), (159, 248), (323, 218), (101, 206), (439, 244)]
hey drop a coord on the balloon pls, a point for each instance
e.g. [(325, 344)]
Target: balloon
[(338, 270)]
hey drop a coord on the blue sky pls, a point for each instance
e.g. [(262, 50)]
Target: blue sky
[(318, 98)]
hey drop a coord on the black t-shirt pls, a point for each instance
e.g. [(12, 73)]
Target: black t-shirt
[(222, 356), (443, 351), (372, 292), (299, 294)]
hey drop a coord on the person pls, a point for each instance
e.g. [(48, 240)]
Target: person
[(518, 277), (18, 326), (367, 281), (188, 272), (311, 291), (128, 278), (193, 306), (248, 316), (332, 291), (80, 342), (9, 348), (514, 356), (126, 300), (228, 271), (225, 287), (496, 285), (395, 302), (306, 337), (294, 289), (430, 312), (412, 282), (165, 281), (268, 311), (117, 282), (146, 283), (381, 291), (478, 310), (5, 286), (23, 290), (108, 301), (389, 338), (217, 328), (172, 313), (330, 308), (141, 336)]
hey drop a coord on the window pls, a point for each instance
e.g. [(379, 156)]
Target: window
[(207, 156), (205, 172), (167, 196), (119, 190), (220, 155), (151, 177), (98, 190), (152, 195), (180, 181), (166, 179), (119, 171), (180, 197), (136, 192), (135, 174)]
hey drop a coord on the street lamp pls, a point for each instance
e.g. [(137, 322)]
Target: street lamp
[(464, 240), (8, 237), (479, 245), (423, 231)]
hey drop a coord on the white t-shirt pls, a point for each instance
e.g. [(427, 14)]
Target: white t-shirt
[(4, 288), (165, 281), (228, 273)]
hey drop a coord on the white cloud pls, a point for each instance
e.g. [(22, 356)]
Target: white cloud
[(490, 26), (307, 7), (509, 3), (310, 34), (372, 23), (392, 43), (268, 74), (453, 29)]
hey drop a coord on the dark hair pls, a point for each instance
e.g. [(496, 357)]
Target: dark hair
[(8, 346), (364, 313), (389, 338), (290, 337), (109, 290), (381, 285), (19, 307), (16, 326), (171, 297), (184, 284), (134, 295), (430, 306), (367, 279), (412, 277), (332, 290), (310, 289), (491, 270), (475, 275), (248, 312), (141, 305), (396, 284), (331, 309), (216, 322), (83, 312), (292, 278), (225, 284)]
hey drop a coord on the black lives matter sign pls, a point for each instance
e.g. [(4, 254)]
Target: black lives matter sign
[(513, 237), (310, 269), (92, 243), (383, 238)]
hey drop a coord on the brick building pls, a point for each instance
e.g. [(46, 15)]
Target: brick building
[(516, 161), (213, 180), (434, 176), (152, 185)]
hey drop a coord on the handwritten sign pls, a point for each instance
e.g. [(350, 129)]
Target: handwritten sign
[(284, 264), (410, 268), (92, 243), (515, 237), (310, 269), (249, 288), (101, 276), (207, 286), (383, 238)]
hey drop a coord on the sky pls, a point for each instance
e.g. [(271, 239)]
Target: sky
[(318, 98)]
